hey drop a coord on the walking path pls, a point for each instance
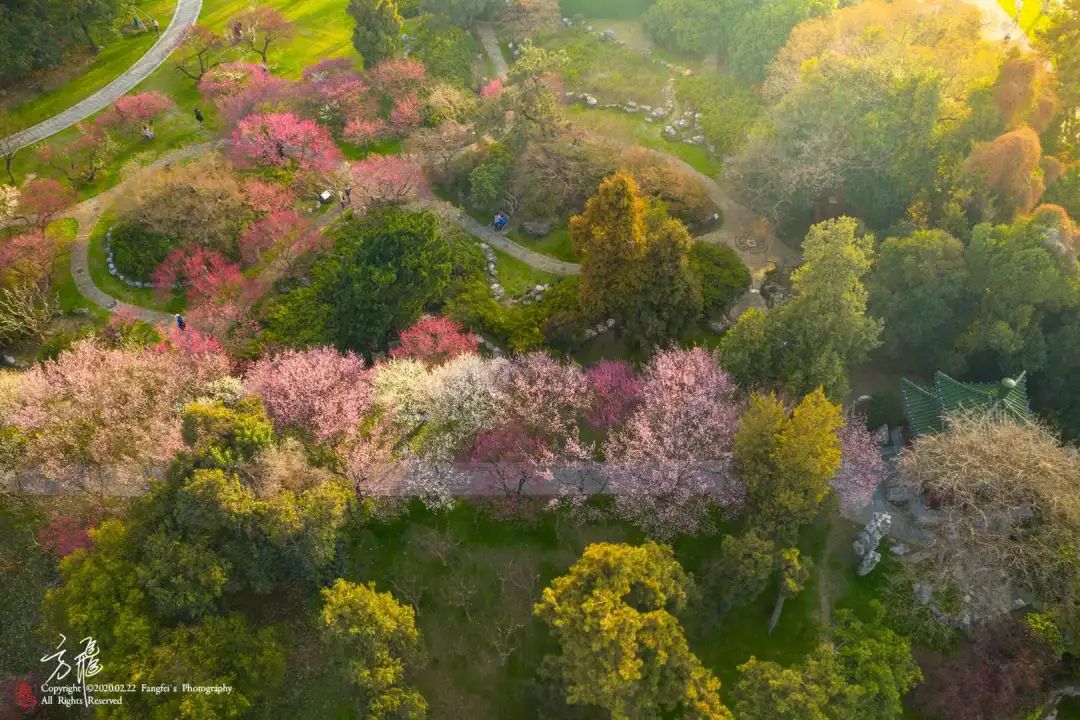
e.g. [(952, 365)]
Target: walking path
[(999, 25), (491, 45), (185, 15)]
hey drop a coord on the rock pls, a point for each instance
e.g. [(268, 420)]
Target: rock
[(608, 34), (670, 131), (610, 322), (591, 101), (923, 594), (538, 228), (8, 360), (898, 549), (869, 562), (865, 544)]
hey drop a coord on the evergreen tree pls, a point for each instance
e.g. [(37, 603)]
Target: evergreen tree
[(377, 35)]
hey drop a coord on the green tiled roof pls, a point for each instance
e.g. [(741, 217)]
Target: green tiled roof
[(926, 408)]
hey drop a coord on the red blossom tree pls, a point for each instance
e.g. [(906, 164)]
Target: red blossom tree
[(262, 26), (319, 390), (386, 179), (616, 391), (202, 272), (284, 140), (132, 112), (434, 339), (493, 89), (65, 534), (42, 200), (670, 462), (285, 234)]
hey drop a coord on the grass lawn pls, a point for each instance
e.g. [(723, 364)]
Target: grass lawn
[(119, 54), (556, 244), (516, 277), (1031, 15), (633, 129), (99, 272)]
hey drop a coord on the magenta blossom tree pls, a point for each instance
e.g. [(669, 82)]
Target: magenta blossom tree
[(861, 466), (284, 140), (319, 390), (671, 461), (286, 235), (434, 339), (616, 391)]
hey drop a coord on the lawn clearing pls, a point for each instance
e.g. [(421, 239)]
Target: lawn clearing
[(516, 277), (556, 244), (612, 72)]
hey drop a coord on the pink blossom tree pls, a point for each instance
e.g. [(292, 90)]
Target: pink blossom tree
[(229, 79), (616, 391), (407, 113), (534, 429), (283, 233), (132, 112), (339, 94), (434, 339), (64, 534), (395, 77), (319, 390), (98, 415), (265, 197), (27, 258), (41, 201), (386, 179), (262, 26), (861, 466), (284, 140), (364, 130), (670, 462)]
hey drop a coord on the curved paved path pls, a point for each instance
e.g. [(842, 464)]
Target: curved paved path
[(185, 15), (491, 45)]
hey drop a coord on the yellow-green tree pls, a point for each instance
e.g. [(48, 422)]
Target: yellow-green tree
[(610, 236), (376, 640), (635, 263), (785, 461), (622, 648)]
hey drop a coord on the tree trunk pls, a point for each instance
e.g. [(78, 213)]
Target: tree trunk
[(86, 32), (8, 160), (777, 609)]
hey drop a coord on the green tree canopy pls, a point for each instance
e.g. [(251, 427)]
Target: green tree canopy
[(377, 34)]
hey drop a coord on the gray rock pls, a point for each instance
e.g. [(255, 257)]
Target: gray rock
[(923, 594)]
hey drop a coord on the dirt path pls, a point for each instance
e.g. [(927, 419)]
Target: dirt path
[(185, 15)]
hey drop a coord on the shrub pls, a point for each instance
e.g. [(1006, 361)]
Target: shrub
[(885, 409), (729, 109), (489, 180), (723, 275), (622, 9), (448, 53), (137, 251)]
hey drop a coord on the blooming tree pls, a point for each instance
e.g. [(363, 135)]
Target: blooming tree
[(95, 410), (27, 258), (534, 429), (285, 234), (202, 272), (338, 93), (616, 390), (284, 140), (386, 179), (407, 113), (41, 202), (9, 201), (861, 466), (493, 89), (199, 52), (434, 339), (364, 130), (265, 197), (131, 112), (394, 77), (319, 390), (81, 159), (262, 26), (670, 462)]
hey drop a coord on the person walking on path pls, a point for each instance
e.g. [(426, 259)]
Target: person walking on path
[(199, 116), (157, 28), (180, 322), (348, 194)]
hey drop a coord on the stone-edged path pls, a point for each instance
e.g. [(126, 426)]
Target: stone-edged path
[(185, 15), (491, 45)]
